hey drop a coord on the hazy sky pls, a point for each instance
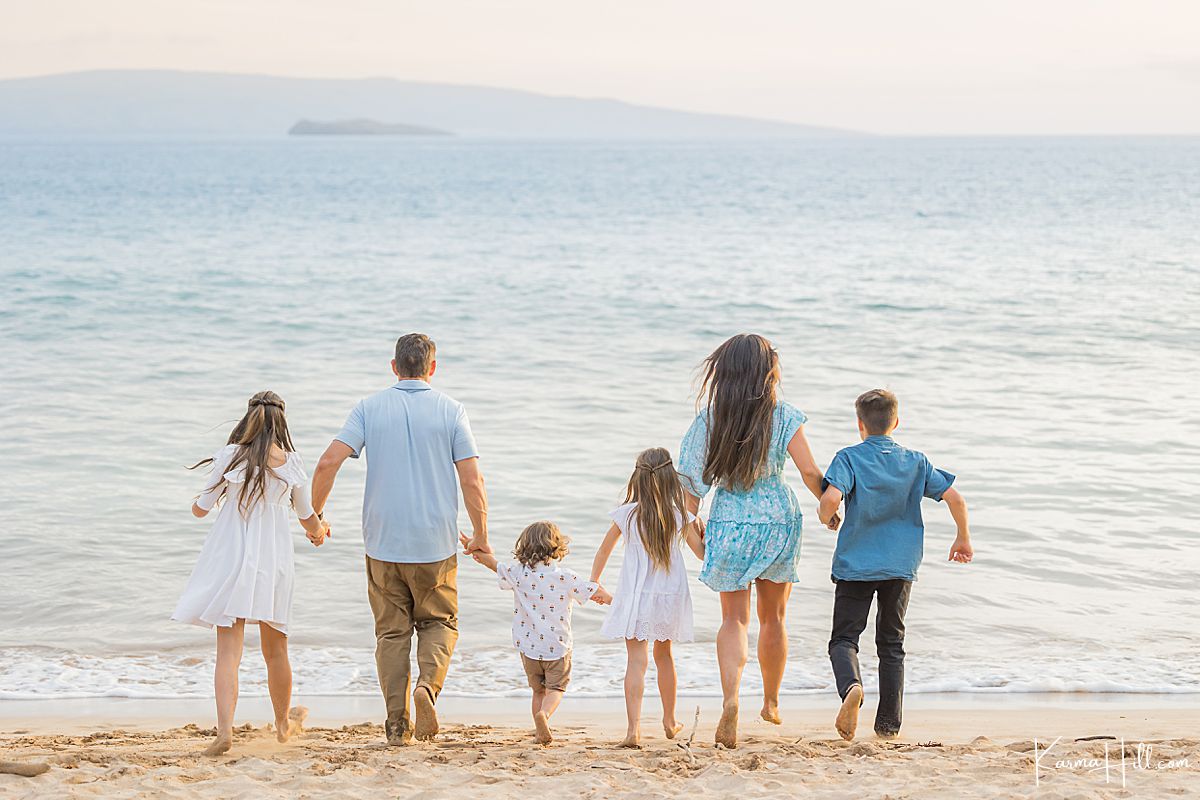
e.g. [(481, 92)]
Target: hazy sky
[(889, 66)]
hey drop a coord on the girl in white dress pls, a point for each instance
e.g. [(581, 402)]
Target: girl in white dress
[(245, 570), (652, 602)]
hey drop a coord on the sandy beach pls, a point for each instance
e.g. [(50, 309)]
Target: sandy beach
[(981, 749)]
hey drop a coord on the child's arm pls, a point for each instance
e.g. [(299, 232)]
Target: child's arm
[(489, 560), (827, 510), (693, 535), (606, 548), (961, 551)]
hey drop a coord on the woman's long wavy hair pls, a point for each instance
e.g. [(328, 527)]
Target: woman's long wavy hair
[(655, 487), (263, 425), (739, 391)]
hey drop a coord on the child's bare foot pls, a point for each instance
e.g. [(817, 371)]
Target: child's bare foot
[(220, 745), (632, 740), (672, 728), (727, 726), (292, 724), (426, 726), (541, 724), (770, 712), (847, 718)]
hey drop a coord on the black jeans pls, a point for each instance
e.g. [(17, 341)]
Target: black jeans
[(851, 605)]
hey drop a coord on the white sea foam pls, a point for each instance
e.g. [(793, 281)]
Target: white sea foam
[(29, 674)]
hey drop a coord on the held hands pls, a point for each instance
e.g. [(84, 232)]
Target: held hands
[(318, 537), (961, 550), (834, 523), (602, 596)]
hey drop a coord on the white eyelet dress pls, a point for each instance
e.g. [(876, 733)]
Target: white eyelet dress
[(650, 604), (246, 568)]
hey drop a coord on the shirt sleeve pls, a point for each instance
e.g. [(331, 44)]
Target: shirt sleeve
[(463, 446), (790, 420), (578, 589), (840, 474), (504, 577), (937, 481), (354, 433), (216, 484), (693, 454), (301, 488)]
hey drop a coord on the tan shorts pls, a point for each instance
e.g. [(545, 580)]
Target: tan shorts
[(550, 675)]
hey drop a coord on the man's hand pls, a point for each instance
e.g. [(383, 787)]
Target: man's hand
[(961, 551), (476, 544), (834, 523), (601, 596)]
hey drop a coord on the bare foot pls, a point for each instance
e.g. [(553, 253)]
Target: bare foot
[(220, 745), (426, 726), (541, 724), (632, 740), (672, 729), (770, 712), (292, 725), (847, 718), (727, 727)]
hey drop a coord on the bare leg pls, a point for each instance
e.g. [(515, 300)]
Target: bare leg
[(225, 684), (279, 682), (635, 688), (550, 698), (664, 665), (731, 657), (540, 723), (772, 643)]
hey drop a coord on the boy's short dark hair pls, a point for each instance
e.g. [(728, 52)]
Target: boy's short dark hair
[(415, 353), (878, 410)]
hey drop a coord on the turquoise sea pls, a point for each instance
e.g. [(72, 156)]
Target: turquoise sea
[(1034, 303)]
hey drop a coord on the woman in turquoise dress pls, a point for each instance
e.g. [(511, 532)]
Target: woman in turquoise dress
[(739, 444)]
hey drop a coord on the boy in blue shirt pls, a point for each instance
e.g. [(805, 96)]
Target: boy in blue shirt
[(878, 551)]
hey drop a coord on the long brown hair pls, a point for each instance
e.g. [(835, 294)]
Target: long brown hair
[(739, 391), (263, 425), (654, 486)]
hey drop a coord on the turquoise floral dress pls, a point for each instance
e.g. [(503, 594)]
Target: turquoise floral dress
[(750, 534)]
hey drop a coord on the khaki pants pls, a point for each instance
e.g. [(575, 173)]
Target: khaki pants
[(407, 598)]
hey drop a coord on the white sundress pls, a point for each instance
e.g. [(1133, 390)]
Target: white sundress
[(650, 604), (246, 568)]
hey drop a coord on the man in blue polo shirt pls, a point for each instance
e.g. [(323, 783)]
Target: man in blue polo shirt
[(420, 452), (879, 549)]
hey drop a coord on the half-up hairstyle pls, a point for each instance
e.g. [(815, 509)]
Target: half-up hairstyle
[(739, 391), (655, 487), (263, 426)]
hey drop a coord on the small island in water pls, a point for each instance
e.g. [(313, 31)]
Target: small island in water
[(361, 127)]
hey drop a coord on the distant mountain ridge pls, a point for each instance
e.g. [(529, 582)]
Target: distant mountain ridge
[(207, 103), (361, 127)]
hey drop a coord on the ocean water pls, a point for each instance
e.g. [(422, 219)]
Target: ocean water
[(1033, 303)]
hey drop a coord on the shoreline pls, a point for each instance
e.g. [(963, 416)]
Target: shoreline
[(948, 748), (86, 715)]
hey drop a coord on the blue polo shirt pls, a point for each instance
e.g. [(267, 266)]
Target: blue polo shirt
[(882, 535), (412, 436)]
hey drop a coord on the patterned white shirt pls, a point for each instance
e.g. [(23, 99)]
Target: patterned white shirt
[(543, 595)]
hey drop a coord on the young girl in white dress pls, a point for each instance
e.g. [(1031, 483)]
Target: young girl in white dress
[(245, 570), (652, 602)]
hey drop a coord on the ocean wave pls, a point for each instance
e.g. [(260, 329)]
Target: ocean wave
[(39, 673)]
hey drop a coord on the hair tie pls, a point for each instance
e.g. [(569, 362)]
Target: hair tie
[(265, 402)]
